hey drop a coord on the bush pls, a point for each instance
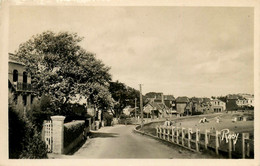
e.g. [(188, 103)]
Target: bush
[(24, 140), (16, 134), (40, 111), (197, 113), (123, 116), (108, 118), (72, 131)]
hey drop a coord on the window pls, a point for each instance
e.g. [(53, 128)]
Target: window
[(15, 76), (24, 77)]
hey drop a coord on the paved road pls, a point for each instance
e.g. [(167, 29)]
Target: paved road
[(121, 142)]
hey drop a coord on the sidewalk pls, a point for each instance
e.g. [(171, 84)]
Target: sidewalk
[(63, 156)]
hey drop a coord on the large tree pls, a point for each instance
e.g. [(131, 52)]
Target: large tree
[(123, 96), (62, 69)]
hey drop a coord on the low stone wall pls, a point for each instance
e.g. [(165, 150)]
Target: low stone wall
[(73, 135)]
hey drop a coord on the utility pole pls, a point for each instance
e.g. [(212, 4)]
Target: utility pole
[(141, 106), (135, 109)]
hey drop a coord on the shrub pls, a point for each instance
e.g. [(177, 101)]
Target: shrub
[(72, 131), (123, 116), (197, 113), (40, 111), (108, 118), (24, 140), (16, 134)]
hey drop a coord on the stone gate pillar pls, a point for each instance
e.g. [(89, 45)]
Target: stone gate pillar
[(58, 133)]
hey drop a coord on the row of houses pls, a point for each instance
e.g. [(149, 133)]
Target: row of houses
[(159, 105)]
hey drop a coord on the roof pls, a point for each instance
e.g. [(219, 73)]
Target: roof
[(234, 96), (247, 96), (155, 105), (217, 100), (168, 97), (163, 106), (182, 99), (206, 100), (196, 100), (156, 95), (14, 59), (158, 106), (128, 108)]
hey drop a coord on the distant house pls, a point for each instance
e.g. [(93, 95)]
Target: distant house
[(19, 83), (246, 100), (128, 110), (155, 110), (165, 103), (218, 105), (197, 106), (181, 103), (169, 101), (155, 96), (207, 105), (232, 102)]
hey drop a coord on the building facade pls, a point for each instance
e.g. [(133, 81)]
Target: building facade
[(246, 100), (19, 81), (181, 104), (218, 105)]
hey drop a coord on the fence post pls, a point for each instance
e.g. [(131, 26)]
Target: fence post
[(173, 134), (168, 131), (206, 139), (182, 135), (229, 148), (58, 133), (248, 150), (164, 132), (244, 137), (234, 145), (189, 136), (177, 135), (160, 128), (157, 131), (197, 140), (217, 141)]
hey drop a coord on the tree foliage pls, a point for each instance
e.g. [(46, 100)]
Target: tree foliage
[(62, 69), (123, 96)]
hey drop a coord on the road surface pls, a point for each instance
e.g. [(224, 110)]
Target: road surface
[(121, 142)]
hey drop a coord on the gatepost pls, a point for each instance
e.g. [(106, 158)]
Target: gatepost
[(58, 136)]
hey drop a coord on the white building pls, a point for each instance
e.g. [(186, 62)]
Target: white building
[(248, 100), (218, 105)]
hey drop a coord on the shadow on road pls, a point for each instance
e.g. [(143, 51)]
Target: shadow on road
[(102, 135)]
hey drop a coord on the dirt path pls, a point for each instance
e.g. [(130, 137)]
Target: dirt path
[(120, 142)]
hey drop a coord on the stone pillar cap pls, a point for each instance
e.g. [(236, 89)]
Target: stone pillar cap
[(57, 117)]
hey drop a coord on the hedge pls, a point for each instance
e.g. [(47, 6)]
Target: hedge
[(73, 130)]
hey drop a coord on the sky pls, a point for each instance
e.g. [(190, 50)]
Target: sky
[(183, 51)]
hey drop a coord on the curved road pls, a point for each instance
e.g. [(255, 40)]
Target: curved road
[(121, 142)]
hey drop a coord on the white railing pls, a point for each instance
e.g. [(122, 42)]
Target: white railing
[(195, 140)]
